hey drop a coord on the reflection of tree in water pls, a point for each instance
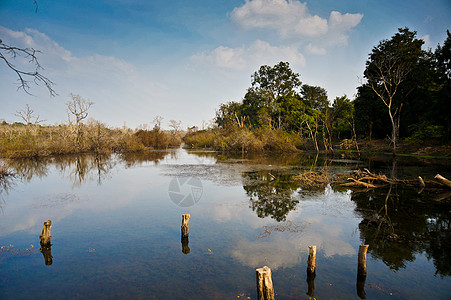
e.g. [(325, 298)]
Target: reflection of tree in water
[(270, 193), (83, 168), (399, 223), (7, 181), (27, 168), (133, 159)]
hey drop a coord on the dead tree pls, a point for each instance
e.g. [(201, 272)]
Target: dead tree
[(28, 116), (79, 108)]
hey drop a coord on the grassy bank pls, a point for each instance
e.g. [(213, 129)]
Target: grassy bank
[(19, 140), (243, 139)]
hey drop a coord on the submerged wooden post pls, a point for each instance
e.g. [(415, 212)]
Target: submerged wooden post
[(45, 235), (47, 252), (185, 225), (311, 265), (311, 271), (185, 245), (265, 289), (361, 271), (361, 287), (361, 268)]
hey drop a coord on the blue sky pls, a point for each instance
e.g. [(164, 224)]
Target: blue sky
[(137, 59)]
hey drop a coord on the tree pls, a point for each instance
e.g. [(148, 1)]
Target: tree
[(387, 72), (342, 117), (269, 86), (28, 116), (443, 66), (230, 114), (315, 97), (79, 108)]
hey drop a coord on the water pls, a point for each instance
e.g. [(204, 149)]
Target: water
[(116, 228)]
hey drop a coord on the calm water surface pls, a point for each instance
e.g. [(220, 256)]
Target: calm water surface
[(116, 228)]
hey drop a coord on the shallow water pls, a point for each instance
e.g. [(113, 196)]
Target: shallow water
[(116, 228)]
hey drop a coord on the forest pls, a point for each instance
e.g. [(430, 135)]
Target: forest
[(404, 96)]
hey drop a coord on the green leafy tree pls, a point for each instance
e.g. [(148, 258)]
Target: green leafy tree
[(263, 99), (342, 117), (315, 97)]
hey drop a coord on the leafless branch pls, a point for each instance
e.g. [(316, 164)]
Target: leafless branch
[(9, 53)]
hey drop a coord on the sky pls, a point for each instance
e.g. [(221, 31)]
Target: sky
[(138, 59)]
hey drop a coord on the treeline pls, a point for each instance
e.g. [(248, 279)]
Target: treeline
[(31, 139), (406, 94)]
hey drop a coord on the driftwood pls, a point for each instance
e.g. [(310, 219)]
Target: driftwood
[(367, 179), (443, 180)]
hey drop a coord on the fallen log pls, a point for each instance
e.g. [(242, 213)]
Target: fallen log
[(443, 180), (357, 183)]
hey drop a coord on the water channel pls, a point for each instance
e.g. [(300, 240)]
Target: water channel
[(116, 228)]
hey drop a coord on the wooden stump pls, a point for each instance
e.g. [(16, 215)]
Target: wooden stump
[(185, 245), (45, 235), (311, 265), (265, 289), (185, 225), (361, 268)]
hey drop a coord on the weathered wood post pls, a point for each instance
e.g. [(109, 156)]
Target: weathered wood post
[(361, 287), (311, 265), (311, 271), (265, 289), (361, 268), (45, 235), (47, 252), (185, 245), (46, 246), (361, 271), (185, 225)]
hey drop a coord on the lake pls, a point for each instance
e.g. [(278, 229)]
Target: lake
[(116, 228)]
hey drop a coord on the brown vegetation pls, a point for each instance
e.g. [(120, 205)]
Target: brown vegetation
[(244, 140), (18, 140)]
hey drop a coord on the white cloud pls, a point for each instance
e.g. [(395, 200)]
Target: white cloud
[(312, 49), (291, 18), (427, 40), (244, 58)]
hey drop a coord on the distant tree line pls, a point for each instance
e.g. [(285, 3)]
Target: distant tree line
[(405, 94)]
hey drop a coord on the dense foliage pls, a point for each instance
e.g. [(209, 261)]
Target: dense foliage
[(405, 96)]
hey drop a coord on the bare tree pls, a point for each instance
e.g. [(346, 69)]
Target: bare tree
[(9, 53), (157, 120), (391, 74), (79, 108), (28, 116)]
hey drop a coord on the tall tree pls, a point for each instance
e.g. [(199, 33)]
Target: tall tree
[(387, 72), (315, 97), (269, 85)]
